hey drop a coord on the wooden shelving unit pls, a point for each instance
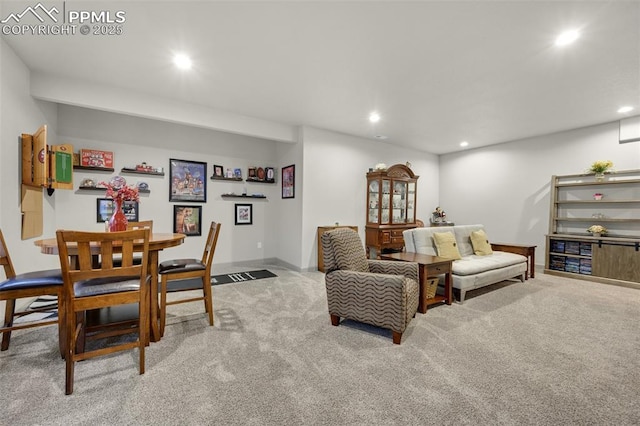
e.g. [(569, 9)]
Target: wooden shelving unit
[(611, 258), (256, 180)]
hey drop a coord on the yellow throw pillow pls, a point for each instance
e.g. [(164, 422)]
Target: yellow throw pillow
[(480, 243), (446, 245)]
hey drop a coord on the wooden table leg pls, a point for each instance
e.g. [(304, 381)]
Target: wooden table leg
[(448, 293), (153, 308), (532, 252), (422, 295)]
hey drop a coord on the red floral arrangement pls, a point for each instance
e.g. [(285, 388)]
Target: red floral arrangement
[(123, 193)]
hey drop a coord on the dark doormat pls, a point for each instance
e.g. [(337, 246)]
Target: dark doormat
[(241, 277)]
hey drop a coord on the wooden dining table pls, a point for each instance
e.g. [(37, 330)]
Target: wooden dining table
[(157, 243)]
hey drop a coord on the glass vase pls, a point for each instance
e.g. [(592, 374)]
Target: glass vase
[(118, 221), (599, 177)]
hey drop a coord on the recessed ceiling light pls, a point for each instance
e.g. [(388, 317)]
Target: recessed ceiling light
[(464, 144), (381, 137), (624, 109), (567, 37), (182, 61), (374, 117)]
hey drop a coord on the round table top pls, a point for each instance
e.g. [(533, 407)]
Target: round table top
[(157, 241)]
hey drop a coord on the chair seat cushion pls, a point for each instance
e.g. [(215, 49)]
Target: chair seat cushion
[(106, 285), (179, 265), (33, 279)]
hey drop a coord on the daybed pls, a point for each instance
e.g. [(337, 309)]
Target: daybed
[(471, 270)]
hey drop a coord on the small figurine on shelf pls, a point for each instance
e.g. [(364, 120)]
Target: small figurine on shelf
[(439, 215)]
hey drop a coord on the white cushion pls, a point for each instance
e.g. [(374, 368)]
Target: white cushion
[(471, 265)]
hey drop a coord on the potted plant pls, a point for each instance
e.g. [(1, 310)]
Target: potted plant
[(601, 167), (597, 230)]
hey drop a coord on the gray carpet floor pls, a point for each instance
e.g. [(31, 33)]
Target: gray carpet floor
[(545, 352)]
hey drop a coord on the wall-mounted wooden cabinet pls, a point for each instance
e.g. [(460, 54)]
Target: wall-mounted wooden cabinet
[(391, 207), (579, 201)]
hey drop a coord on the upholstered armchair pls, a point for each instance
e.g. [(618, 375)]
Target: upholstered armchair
[(378, 292)]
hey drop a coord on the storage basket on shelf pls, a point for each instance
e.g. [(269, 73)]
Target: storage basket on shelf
[(431, 286)]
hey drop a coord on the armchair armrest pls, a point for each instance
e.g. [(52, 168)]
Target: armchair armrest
[(394, 267)]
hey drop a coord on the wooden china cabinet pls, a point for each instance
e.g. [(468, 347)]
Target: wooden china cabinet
[(391, 208)]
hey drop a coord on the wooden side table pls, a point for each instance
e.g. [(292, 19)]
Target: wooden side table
[(322, 230), (528, 251), (429, 266)]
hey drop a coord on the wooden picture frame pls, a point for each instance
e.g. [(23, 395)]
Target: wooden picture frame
[(105, 206), (187, 220), (188, 181), (244, 214), (218, 171), (289, 181)]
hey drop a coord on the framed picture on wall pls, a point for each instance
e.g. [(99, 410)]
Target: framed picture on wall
[(105, 206), (218, 171), (188, 181), (244, 214), (289, 181), (187, 220)]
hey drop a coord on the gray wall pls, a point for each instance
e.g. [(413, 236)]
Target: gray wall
[(506, 187)]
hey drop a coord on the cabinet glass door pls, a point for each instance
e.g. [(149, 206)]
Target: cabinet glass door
[(411, 199), (386, 202), (374, 199), (399, 210)]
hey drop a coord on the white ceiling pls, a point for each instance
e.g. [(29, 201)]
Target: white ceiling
[(437, 72)]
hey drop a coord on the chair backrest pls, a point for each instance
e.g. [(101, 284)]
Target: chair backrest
[(86, 246), (210, 246), (5, 259), (148, 224), (342, 249)]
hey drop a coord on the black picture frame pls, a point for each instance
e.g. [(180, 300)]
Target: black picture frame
[(270, 174), (218, 171), (188, 181), (187, 220), (244, 214), (289, 181), (105, 207)]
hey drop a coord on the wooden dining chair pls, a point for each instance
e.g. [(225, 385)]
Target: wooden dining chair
[(185, 269), (89, 287), (28, 285)]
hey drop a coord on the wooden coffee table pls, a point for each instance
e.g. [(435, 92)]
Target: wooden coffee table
[(429, 266)]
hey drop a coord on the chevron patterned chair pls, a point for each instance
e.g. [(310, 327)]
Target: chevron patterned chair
[(382, 293)]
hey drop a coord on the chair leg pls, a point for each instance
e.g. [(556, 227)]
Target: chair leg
[(163, 304), (397, 337), (208, 298), (335, 320), (143, 324), (9, 312), (62, 335), (70, 319)]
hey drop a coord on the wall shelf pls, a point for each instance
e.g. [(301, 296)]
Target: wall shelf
[(95, 188), (140, 172), (94, 169), (243, 196), (233, 179), (255, 180)]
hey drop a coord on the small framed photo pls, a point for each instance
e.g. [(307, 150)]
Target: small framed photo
[(237, 173), (244, 214), (188, 181), (187, 220), (218, 171), (105, 206), (270, 174), (289, 181), (251, 173)]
